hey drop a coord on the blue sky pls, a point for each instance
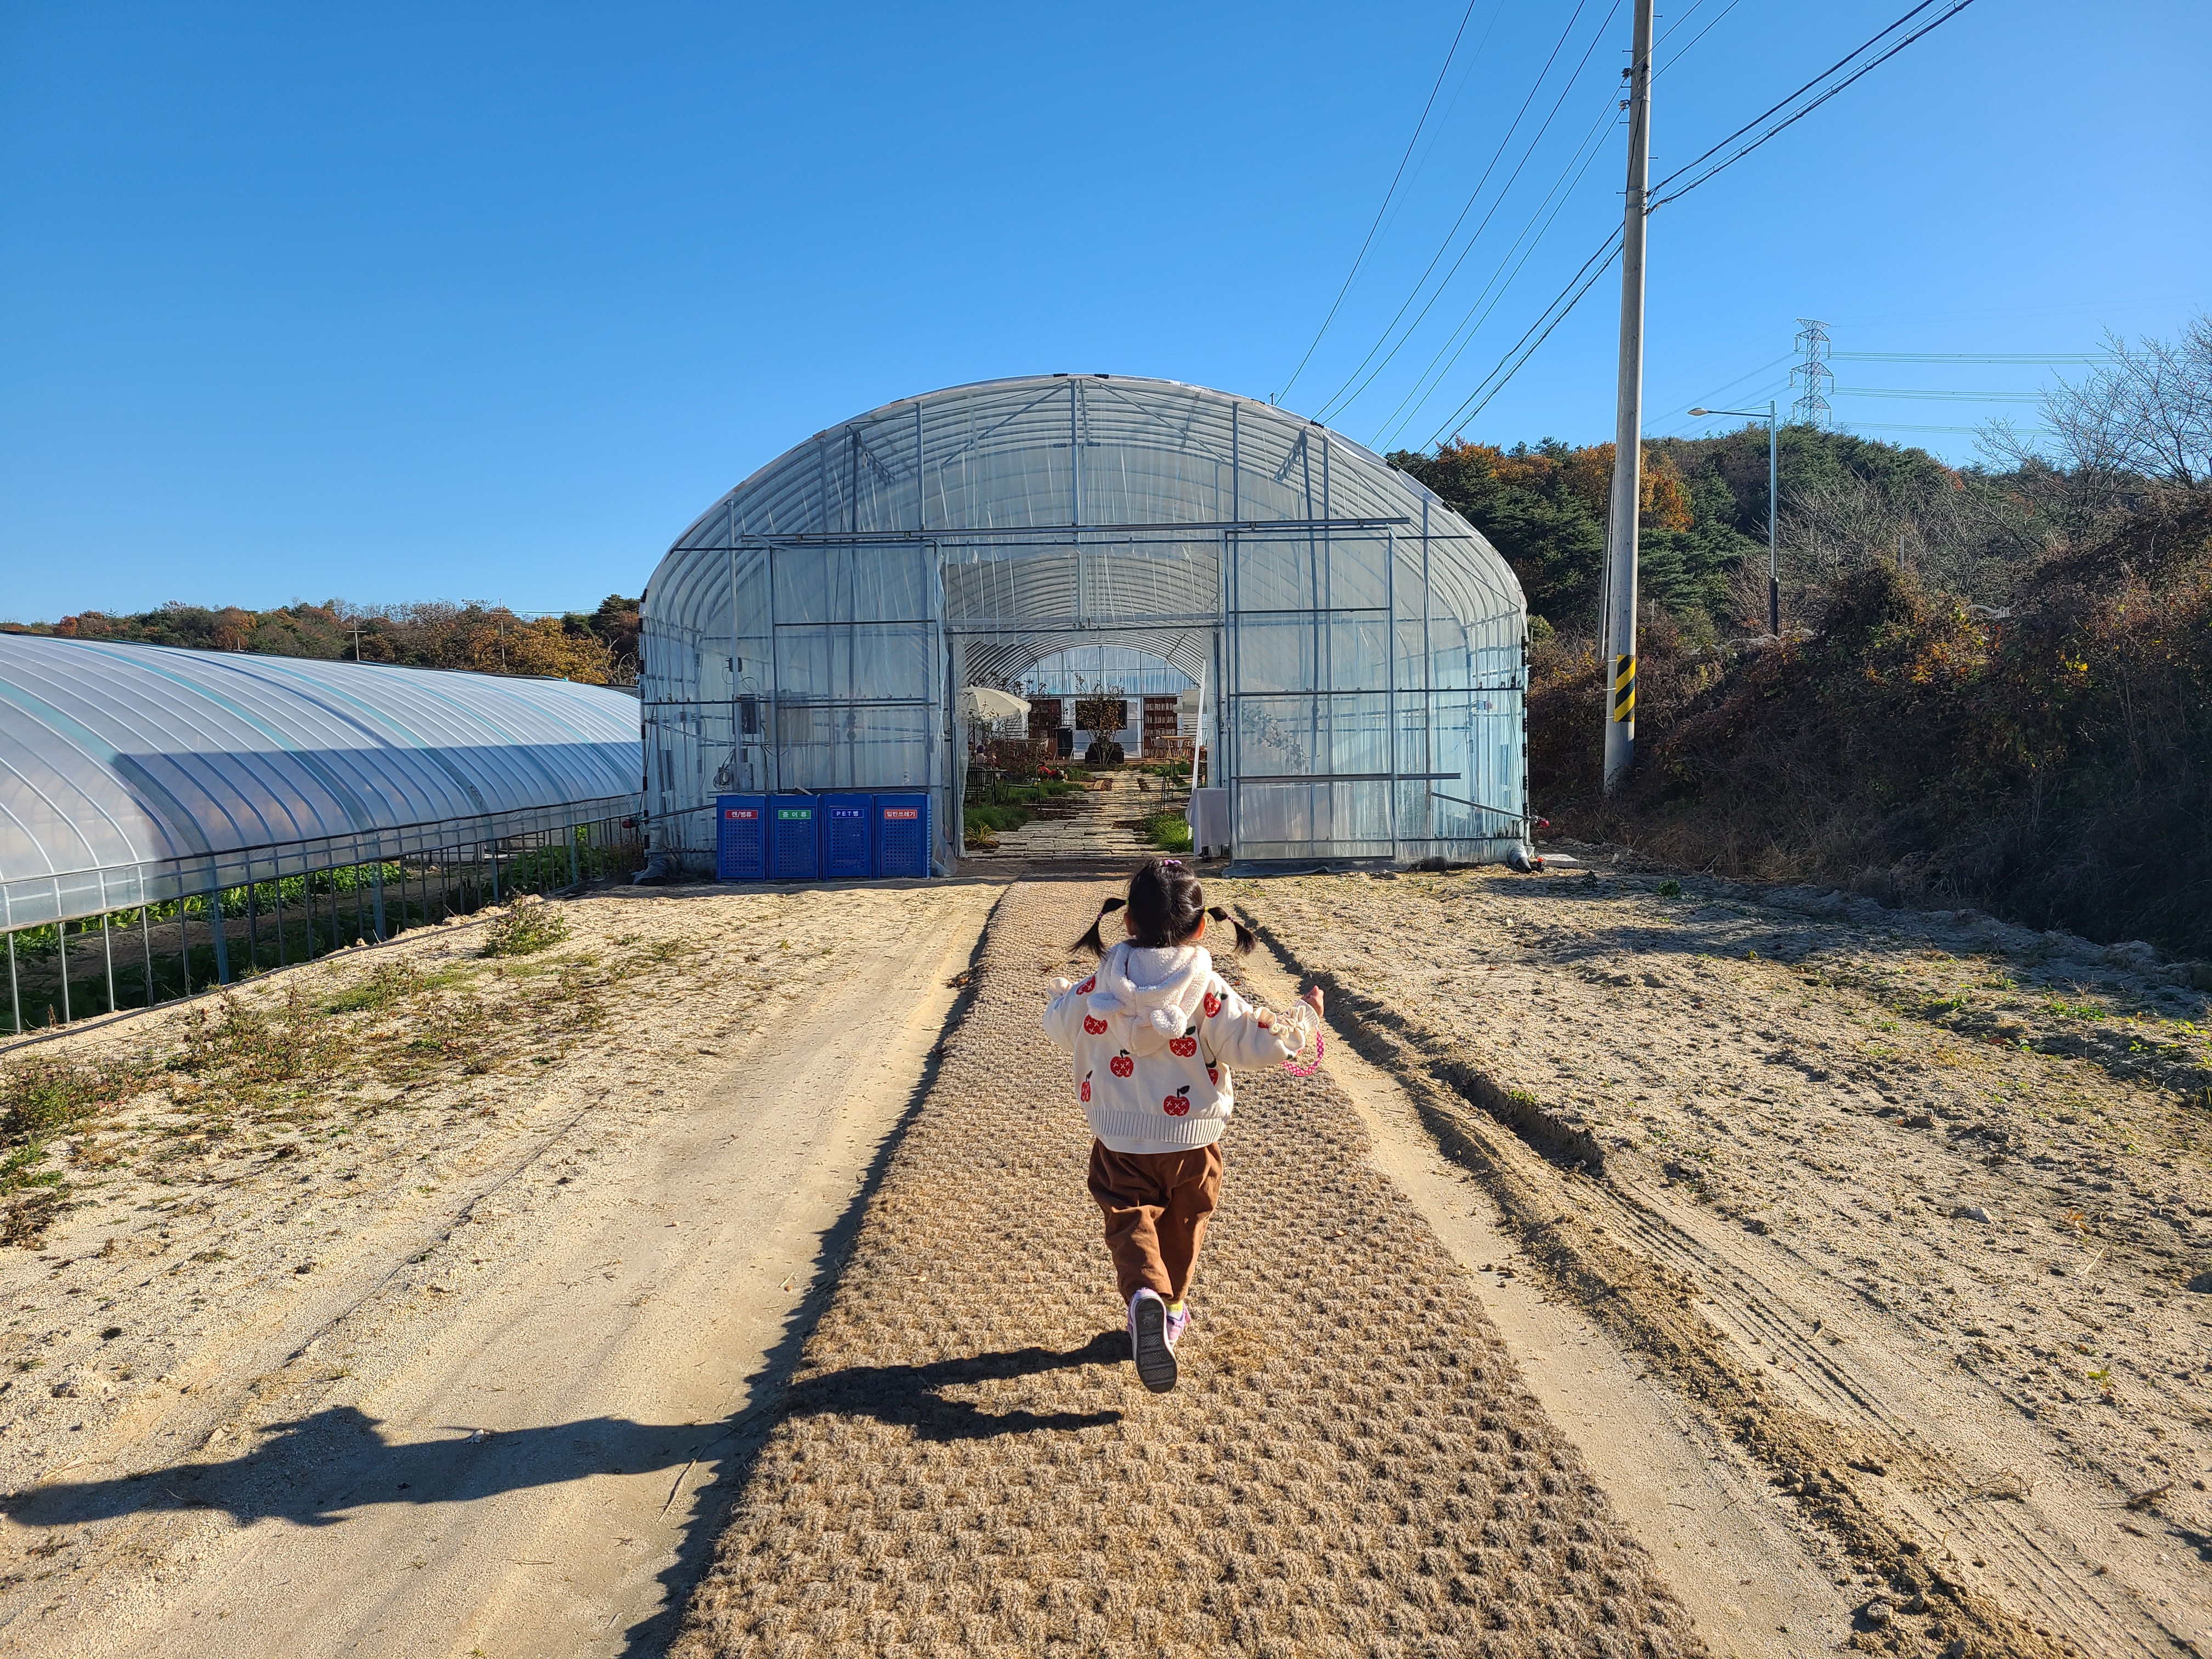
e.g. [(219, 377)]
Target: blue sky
[(483, 301)]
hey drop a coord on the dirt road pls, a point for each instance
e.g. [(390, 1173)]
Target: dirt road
[(965, 1463), (1911, 1209), (437, 1345)]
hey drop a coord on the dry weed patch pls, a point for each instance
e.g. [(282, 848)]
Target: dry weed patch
[(531, 926)]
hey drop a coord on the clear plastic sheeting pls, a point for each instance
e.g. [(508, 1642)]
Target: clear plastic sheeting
[(1356, 646), (135, 775)]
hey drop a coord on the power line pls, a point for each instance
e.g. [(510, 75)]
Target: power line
[(1506, 191), (1720, 392), (1968, 357), (1890, 426), (1662, 69), (1362, 255), (1781, 127), (1444, 246), (1509, 365), (1606, 253), (1785, 102), (1954, 397), (1494, 290)]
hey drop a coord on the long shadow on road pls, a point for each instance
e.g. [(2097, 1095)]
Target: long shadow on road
[(277, 1479)]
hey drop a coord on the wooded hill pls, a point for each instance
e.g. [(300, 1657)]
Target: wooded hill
[(1993, 685), (598, 647)]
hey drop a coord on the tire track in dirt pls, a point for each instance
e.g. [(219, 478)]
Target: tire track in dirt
[(1817, 1411)]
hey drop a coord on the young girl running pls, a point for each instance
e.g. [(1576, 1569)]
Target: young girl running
[(1154, 1033)]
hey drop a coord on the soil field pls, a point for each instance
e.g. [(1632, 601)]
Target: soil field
[(1914, 1208), (413, 1302)]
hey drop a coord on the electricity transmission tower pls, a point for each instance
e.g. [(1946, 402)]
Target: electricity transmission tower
[(1811, 375)]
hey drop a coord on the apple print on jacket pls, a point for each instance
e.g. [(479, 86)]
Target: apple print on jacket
[(1212, 1004), (1121, 1065), (1096, 1027), (1087, 1088), (1087, 986), (1183, 1046), (1212, 1075), (1178, 1103)]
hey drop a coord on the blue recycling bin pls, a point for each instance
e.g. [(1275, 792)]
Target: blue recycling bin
[(740, 837), (902, 834), (794, 838), (848, 837)]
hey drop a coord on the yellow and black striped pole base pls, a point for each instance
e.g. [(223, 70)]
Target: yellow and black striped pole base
[(1624, 691)]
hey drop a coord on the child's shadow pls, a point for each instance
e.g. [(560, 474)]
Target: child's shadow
[(913, 1396)]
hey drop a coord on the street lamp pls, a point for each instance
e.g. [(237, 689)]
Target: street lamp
[(1773, 580)]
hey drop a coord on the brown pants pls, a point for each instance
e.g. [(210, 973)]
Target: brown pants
[(1157, 1206)]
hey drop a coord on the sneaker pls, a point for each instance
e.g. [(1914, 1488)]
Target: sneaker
[(1178, 1321), (1148, 1342)]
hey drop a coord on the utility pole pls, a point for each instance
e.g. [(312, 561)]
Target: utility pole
[(1619, 621)]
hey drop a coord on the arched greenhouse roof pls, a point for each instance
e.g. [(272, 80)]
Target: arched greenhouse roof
[(1004, 475), (134, 772)]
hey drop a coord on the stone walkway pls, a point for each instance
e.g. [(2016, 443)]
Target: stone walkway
[(1099, 829), (965, 1463)]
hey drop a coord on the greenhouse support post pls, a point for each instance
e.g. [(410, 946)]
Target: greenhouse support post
[(378, 870), (574, 877), (108, 951), (252, 923), (61, 943), (184, 944), (221, 935), (14, 995), (146, 943)]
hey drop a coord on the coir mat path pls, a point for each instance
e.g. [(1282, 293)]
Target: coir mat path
[(965, 1462)]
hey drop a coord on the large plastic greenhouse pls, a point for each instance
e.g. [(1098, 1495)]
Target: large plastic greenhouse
[(1356, 647), (174, 819)]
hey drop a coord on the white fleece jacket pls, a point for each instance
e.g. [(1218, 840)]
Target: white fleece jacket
[(1153, 1034)]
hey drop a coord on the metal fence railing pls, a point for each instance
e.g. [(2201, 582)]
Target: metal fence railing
[(140, 956)]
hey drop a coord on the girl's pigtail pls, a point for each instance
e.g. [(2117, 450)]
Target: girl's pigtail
[(1091, 941), (1246, 938)]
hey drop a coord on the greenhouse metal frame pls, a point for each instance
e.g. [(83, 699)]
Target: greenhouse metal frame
[(1359, 647), (151, 799)]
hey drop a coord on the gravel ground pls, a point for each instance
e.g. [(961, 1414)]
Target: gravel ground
[(1936, 1188), (965, 1462)]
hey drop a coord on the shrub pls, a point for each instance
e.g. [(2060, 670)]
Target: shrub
[(2050, 764), (530, 927), (1168, 831), (385, 984)]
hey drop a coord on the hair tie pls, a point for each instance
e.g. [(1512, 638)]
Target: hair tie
[(1170, 864)]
